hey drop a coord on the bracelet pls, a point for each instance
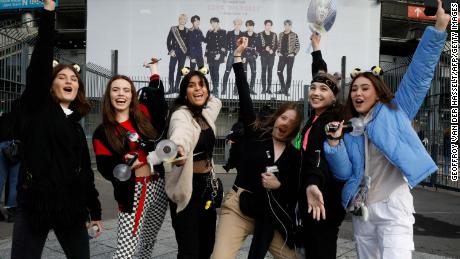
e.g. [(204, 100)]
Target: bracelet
[(237, 56)]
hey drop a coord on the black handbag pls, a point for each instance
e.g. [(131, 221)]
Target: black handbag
[(11, 152)]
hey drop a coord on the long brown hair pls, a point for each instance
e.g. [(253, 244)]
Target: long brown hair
[(116, 135), (383, 93), (268, 124), (79, 104)]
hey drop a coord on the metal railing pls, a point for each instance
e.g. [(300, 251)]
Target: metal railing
[(430, 122), (433, 118)]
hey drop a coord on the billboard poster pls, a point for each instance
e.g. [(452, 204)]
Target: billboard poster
[(20, 4), (203, 32)]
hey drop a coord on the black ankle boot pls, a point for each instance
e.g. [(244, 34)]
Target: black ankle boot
[(11, 214)]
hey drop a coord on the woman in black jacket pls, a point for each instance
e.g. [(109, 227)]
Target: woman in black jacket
[(320, 193), (56, 184), (129, 128), (261, 201)]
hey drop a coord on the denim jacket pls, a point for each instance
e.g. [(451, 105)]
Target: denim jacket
[(390, 129)]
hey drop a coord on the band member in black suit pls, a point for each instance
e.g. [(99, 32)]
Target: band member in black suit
[(216, 48), (250, 54), (195, 39), (232, 38), (289, 46), (177, 50), (268, 46)]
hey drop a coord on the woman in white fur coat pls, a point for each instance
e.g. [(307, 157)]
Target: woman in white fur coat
[(188, 185)]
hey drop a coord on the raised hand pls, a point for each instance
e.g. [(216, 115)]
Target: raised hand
[(242, 45), (315, 40), (442, 19), (152, 65), (49, 5)]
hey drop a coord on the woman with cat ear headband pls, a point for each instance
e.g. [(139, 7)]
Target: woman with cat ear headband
[(380, 166), (188, 185), (56, 184), (320, 194)]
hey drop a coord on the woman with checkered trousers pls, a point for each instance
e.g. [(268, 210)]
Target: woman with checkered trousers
[(128, 124)]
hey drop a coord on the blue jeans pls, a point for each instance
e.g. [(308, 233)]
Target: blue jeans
[(11, 172)]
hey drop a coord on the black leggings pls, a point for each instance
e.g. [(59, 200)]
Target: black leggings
[(29, 244), (195, 227)]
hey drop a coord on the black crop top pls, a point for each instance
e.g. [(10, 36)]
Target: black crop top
[(205, 145)]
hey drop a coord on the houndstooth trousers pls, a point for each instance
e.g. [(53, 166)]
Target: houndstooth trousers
[(140, 228)]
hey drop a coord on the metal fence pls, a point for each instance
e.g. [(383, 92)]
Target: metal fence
[(96, 78), (432, 119)]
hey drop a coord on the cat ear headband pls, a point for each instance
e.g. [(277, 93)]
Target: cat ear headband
[(75, 66), (203, 70), (375, 70)]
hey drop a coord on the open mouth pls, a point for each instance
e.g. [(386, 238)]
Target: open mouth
[(198, 96), (120, 101), (359, 101), (282, 131), (68, 89), (316, 99)]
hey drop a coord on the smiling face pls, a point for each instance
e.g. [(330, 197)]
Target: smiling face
[(363, 95), (65, 87), (120, 95), (320, 97), (197, 92), (284, 125)]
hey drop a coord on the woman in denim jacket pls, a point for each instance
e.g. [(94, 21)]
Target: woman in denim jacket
[(380, 166)]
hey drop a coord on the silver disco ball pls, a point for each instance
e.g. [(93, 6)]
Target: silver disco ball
[(321, 15)]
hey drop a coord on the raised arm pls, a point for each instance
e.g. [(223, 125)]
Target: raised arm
[(39, 72), (247, 113), (417, 80), (317, 64), (153, 97)]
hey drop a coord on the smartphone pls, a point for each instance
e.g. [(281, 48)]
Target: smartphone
[(431, 6), (272, 169)]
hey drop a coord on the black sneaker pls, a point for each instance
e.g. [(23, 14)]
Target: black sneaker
[(2, 217), (11, 214)]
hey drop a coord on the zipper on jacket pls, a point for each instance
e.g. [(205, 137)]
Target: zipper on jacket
[(318, 153)]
